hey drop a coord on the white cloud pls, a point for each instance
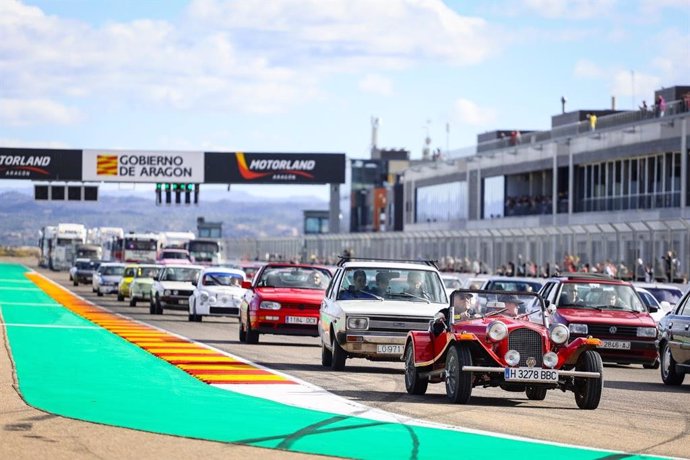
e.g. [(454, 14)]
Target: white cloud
[(252, 56), (640, 85), (376, 84), (21, 112), (469, 112)]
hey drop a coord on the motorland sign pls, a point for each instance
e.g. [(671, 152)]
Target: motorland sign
[(143, 166), (275, 168), (40, 164)]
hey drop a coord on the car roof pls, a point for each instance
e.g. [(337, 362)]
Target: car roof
[(657, 286), (233, 271), (516, 278), (588, 278), (200, 267), (112, 264), (390, 265)]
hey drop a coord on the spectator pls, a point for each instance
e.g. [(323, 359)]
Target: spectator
[(592, 121), (643, 107)]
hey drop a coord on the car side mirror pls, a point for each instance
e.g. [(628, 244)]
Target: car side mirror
[(550, 308), (246, 284), (195, 282), (652, 308)]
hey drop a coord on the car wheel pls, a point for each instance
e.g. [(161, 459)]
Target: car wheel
[(339, 355), (159, 306), (243, 332), (588, 391), (132, 302), (75, 282), (99, 293), (536, 393), (669, 371), (120, 297), (191, 317), (458, 383), (326, 355), (654, 365), (414, 384), (252, 336)]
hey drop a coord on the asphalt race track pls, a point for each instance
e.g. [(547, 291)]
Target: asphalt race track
[(638, 413)]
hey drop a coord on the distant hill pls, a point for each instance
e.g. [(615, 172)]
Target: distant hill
[(21, 217)]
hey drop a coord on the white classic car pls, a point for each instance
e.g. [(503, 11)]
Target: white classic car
[(107, 278), (218, 292), (172, 286), (140, 286), (370, 306)]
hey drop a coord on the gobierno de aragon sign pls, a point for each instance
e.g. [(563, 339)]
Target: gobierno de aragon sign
[(142, 166)]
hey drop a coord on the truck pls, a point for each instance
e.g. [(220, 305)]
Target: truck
[(45, 245), (141, 247), (206, 251), (64, 243), (110, 239)]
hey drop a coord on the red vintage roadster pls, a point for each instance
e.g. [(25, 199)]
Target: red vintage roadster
[(502, 339)]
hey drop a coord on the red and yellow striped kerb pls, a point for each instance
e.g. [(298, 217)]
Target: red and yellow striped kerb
[(106, 165), (206, 364)]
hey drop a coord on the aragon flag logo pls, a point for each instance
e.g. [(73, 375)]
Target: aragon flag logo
[(106, 165)]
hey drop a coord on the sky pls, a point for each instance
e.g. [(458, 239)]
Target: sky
[(310, 75)]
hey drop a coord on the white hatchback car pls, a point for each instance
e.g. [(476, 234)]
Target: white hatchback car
[(107, 278), (218, 292), (172, 286), (370, 306)]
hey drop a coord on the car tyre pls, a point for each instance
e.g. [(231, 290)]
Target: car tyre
[(588, 391), (75, 282), (536, 393), (99, 293), (414, 384), (132, 302), (654, 365), (339, 355), (326, 355), (120, 297), (669, 371), (458, 383), (252, 336), (242, 333)]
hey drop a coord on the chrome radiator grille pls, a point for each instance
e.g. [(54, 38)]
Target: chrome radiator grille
[(528, 343)]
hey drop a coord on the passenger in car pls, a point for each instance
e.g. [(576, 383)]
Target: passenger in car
[(569, 296), (414, 285), (382, 285), (357, 289)]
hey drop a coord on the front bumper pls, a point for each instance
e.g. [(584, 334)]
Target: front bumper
[(640, 351), (370, 346), (108, 288), (286, 322)]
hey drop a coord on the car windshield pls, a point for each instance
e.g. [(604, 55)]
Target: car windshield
[(513, 285), (174, 255), (294, 277), (471, 304), (86, 265), (671, 296), (146, 272), (599, 296), (221, 279), (452, 283), (180, 274), (113, 271), (392, 284)]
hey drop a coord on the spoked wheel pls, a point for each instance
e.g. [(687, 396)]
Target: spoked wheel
[(458, 383), (536, 393), (669, 373), (588, 390), (414, 384)]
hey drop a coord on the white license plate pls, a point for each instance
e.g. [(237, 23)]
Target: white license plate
[(615, 345), (300, 320), (390, 349), (530, 374)]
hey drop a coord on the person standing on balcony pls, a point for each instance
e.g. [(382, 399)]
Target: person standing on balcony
[(592, 121)]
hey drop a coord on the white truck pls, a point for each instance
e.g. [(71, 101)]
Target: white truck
[(64, 242), (45, 245), (110, 240)]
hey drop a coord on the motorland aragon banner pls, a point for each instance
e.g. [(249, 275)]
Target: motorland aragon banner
[(275, 168), (40, 164), (143, 166)]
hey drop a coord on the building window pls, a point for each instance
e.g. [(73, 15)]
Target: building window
[(442, 202)]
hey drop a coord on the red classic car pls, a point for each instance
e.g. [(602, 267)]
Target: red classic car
[(282, 299), (502, 339)]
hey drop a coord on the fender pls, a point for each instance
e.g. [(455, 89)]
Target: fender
[(569, 354)]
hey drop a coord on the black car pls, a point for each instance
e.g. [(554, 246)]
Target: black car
[(674, 343), (83, 271)]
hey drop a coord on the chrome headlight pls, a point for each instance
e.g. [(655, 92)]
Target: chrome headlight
[(166, 292), (203, 297), (358, 323), (497, 331), (512, 358), (646, 332), (559, 334), (576, 328), (266, 305), (550, 359)]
